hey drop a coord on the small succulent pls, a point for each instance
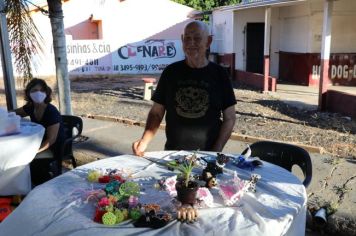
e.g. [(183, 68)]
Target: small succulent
[(185, 167)]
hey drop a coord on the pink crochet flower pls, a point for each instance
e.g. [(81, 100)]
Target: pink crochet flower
[(104, 202), (170, 186), (133, 201)]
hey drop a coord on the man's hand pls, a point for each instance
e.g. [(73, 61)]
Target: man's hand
[(139, 147), (154, 119)]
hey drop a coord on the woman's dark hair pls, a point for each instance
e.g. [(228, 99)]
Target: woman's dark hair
[(34, 82)]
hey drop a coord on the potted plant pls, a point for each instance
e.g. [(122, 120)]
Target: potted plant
[(186, 186)]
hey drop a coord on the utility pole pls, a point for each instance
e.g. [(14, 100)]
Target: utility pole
[(6, 62)]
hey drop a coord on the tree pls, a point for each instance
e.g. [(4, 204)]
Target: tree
[(25, 40), (60, 55), (207, 4)]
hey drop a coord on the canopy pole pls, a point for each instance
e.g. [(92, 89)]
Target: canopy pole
[(6, 62)]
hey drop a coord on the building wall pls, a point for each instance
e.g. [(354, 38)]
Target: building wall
[(229, 35), (343, 26), (301, 37), (302, 24), (222, 31), (295, 28)]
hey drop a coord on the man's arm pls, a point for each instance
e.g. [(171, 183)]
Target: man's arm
[(227, 126), (154, 119)]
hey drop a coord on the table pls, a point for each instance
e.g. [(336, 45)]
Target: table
[(55, 208), (17, 151)]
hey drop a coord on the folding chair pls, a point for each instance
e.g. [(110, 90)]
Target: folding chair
[(49, 164)]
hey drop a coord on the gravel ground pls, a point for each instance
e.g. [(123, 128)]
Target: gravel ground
[(257, 114)]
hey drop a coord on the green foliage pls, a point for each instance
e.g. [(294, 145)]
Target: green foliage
[(207, 4), (185, 168), (25, 39)]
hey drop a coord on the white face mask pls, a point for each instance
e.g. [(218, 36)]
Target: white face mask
[(38, 97)]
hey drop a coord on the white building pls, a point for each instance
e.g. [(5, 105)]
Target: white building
[(286, 36), (308, 42), (115, 36)]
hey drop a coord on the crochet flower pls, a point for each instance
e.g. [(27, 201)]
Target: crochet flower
[(112, 199), (119, 178), (98, 215), (103, 202), (112, 187), (133, 201), (170, 185), (104, 179), (93, 176)]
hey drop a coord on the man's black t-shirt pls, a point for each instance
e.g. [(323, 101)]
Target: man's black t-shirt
[(194, 99), (50, 117)]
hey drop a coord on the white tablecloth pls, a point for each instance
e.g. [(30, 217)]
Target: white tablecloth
[(17, 151), (56, 207)]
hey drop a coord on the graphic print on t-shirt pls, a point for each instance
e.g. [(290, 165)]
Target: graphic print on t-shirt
[(192, 102)]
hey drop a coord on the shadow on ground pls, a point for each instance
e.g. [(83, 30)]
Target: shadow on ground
[(300, 113)]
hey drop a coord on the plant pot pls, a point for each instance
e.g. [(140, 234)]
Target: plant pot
[(187, 195)]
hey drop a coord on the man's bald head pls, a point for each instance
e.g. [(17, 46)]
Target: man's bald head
[(196, 41), (201, 25)]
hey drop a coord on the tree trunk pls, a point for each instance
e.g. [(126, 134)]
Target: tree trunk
[(60, 55)]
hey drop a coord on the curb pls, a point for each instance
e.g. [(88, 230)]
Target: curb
[(234, 136)]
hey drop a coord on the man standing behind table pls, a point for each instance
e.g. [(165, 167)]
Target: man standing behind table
[(193, 93)]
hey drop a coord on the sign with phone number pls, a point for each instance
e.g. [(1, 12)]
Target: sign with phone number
[(100, 57), (150, 56), (140, 67)]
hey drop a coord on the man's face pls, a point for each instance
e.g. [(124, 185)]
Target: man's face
[(195, 42)]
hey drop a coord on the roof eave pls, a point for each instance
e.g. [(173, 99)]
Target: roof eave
[(261, 3)]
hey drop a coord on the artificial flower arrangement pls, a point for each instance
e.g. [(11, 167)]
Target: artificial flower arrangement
[(190, 189), (120, 202)]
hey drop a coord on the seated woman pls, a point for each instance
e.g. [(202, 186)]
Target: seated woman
[(41, 111)]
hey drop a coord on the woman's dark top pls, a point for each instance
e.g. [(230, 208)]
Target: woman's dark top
[(50, 117)]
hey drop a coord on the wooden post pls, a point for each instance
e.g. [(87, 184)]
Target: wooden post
[(325, 54), (266, 47)]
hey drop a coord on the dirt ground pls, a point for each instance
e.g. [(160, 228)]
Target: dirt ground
[(257, 114)]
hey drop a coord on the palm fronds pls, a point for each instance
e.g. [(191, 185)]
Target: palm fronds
[(24, 36)]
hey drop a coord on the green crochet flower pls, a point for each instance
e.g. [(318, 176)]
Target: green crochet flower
[(109, 218), (119, 216), (129, 188), (135, 214)]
